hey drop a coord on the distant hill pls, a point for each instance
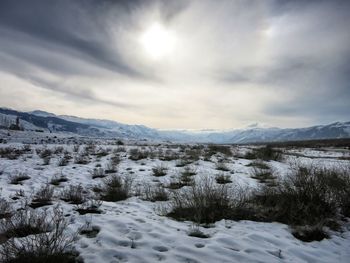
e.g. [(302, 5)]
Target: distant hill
[(49, 122)]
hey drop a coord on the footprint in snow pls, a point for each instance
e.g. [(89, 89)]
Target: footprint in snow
[(134, 235), (160, 248), (140, 220), (198, 245)]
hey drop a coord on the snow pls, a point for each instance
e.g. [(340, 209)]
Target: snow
[(136, 231)]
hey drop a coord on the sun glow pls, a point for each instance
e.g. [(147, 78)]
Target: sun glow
[(158, 42)]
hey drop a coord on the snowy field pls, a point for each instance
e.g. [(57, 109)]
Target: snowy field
[(137, 229)]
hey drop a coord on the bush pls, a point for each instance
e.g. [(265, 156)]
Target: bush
[(250, 155), (310, 197), (188, 171), (182, 162), (205, 202), (24, 223), (177, 184), (169, 155), (90, 148), (116, 189), (193, 154), (136, 154), (82, 158), (299, 199), (11, 153), (115, 159), (214, 149), (263, 175), (101, 152), (52, 244), (27, 148), (98, 173), (119, 142), (154, 193), (5, 209), (268, 153), (223, 179), (119, 150), (159, 170), (19, 178), (90, 207), (185, 179), (111, 167), (74, 194), (57, 180), (42, 197), (58, 150), (63, 161), (222, 167), (45, 153), (259, 164), (76, 148)]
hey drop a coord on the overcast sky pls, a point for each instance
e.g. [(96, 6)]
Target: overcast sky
[(179, 64)]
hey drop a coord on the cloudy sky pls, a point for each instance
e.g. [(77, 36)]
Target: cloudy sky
[(179, 64)]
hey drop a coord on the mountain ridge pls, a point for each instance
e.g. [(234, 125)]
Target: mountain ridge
[(50, 122)]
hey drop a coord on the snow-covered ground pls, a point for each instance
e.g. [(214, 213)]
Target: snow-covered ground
[(135, 230)]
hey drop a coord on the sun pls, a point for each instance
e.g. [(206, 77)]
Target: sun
[(157, 41)]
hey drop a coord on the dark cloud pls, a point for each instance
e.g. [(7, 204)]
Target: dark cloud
[(68, 38), (274, 72), (71, 93), (61, 27), (312, 89), (74, 94), (324, 98), (313, 106), (310, 61)]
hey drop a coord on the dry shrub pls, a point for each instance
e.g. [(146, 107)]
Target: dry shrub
[(309, 198), (43, 196), (74, 194), (116, 188), (206, 202), (159, 170), (50, 241), (18, 178), (136, 154), (5, 208), (154, 193)]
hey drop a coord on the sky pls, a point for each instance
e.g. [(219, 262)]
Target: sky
[(197, 64)]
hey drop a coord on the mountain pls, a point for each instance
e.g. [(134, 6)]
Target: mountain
[(256, 134), (41, 113), (119, 129), (46, 123), (49, 122)]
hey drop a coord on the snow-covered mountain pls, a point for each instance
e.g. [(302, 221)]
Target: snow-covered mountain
[(126, 130), (45, 121), (257, 134), (42, 113)]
